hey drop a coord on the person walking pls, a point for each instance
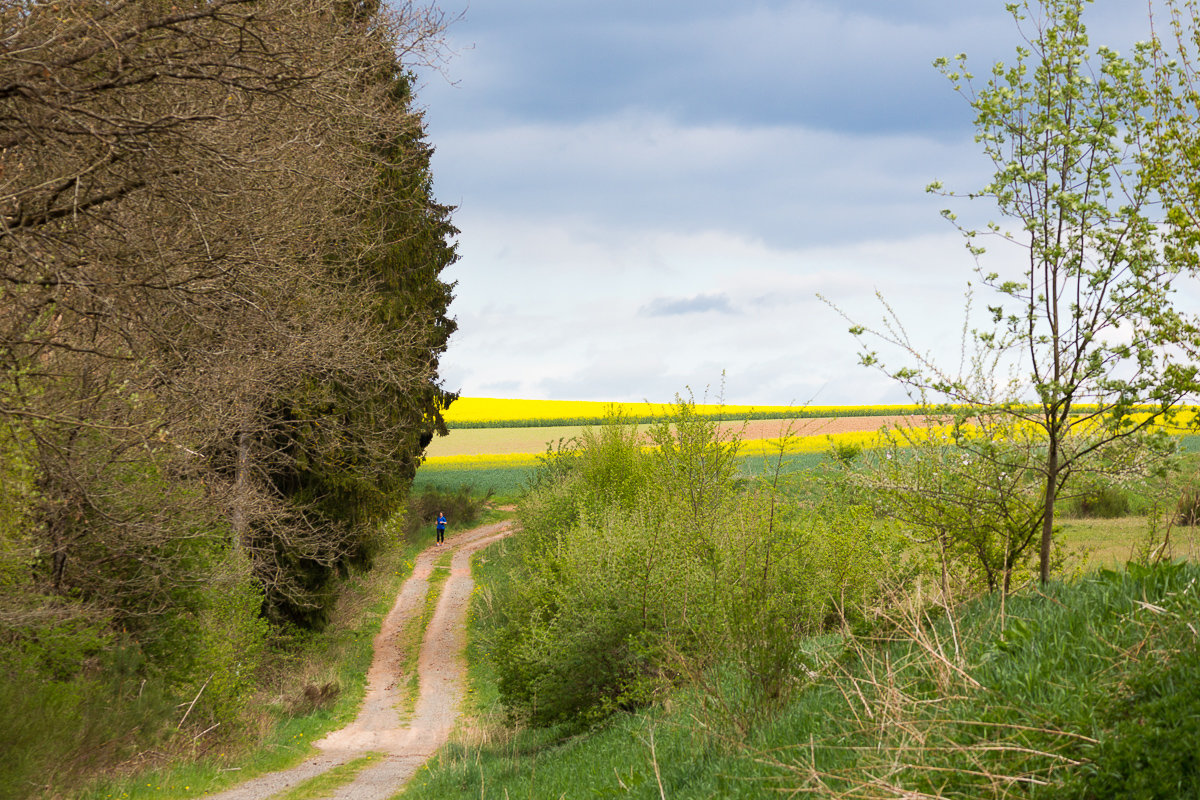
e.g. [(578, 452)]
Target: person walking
[(441, 528)]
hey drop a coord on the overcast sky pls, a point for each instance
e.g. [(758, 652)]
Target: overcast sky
[(651, 193)]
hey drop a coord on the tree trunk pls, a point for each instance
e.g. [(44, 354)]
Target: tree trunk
[(1048, 510), (943, 540)]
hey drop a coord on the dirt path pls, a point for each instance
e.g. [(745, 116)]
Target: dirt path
[(441, 672)]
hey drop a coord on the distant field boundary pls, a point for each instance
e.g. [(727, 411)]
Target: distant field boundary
[(650, 419)]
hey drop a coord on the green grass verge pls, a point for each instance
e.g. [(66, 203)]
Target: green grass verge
[(1110, 543), (1086, 690)]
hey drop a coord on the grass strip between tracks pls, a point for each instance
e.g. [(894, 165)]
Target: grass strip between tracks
[(414, 633), (324, 784)]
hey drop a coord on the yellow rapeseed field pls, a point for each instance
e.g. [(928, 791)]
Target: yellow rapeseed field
[(493, 444), (495, 411), (818, 444)]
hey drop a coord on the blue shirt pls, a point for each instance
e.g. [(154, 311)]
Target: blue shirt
[(441, 522)]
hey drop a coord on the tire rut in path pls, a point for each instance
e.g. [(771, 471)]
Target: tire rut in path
[(441, 671)]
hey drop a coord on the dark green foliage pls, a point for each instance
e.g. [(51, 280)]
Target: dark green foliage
[(461, 506), (224, 388), (347, 450), (1107, 502)]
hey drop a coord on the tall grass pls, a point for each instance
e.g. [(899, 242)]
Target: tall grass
[(1084, 691)]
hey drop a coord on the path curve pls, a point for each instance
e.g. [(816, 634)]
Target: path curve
[(441, 672)]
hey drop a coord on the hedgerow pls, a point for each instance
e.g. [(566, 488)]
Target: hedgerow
[(643, 565)]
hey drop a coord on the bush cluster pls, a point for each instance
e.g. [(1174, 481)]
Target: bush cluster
[(641, 565), (462, 506)]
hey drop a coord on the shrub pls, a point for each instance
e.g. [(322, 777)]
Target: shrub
[(1104, 502), (461, 506), (639, 565)]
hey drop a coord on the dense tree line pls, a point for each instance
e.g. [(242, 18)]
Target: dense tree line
[(221, 314)]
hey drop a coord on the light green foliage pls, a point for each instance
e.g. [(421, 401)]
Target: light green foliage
[(640, 565), (1094, 310), (967, 495), (231, 642), (1043, 701), (1089, 318), (1176, 121), (18, 494), (153, 623)]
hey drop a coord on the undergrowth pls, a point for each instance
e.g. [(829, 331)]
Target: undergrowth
[(1084, 690), (314, 684)]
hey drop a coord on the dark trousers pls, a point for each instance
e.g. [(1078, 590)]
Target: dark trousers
[(441, 535)]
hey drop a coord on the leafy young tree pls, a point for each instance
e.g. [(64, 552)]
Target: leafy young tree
[(1088, 323), (965, 490), (1177, 124)]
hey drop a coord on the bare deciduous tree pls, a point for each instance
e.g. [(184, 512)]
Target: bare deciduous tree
[(188, 193)]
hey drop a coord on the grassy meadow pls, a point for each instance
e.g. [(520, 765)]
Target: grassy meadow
[(991, 701), (494, 445), (697, 620)]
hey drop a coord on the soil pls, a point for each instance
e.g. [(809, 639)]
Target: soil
[(821, 426), (404, 744)]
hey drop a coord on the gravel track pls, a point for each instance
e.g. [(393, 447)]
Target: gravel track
[(441, 671)]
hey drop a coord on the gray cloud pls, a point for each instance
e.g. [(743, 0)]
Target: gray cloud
[(698, 304), (617, 162), (861, 66), (785, 185)]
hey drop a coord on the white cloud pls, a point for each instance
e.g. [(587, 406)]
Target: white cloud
[(583, 333), (615, 158)]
